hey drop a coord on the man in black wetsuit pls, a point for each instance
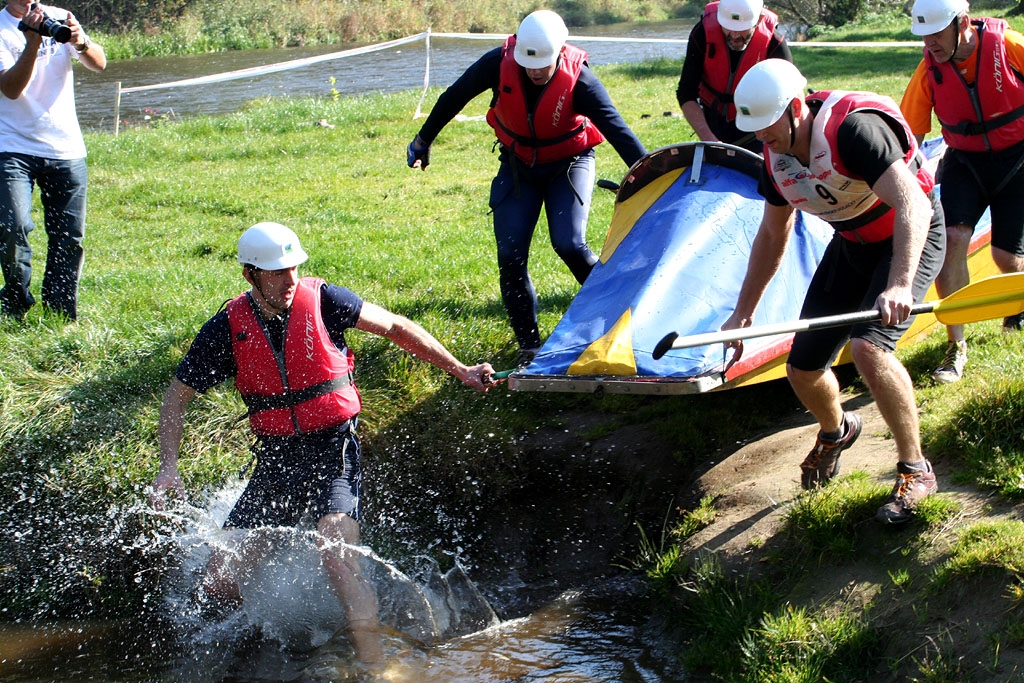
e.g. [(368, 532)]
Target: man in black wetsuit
[(731, 37), (548, 112)]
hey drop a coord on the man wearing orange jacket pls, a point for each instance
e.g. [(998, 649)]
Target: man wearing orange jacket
[(971, 75)]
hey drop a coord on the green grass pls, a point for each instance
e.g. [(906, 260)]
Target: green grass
[(167, 204)]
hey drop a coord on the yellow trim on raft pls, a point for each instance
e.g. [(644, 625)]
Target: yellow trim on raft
[(980, 265), (611, 354), (627, 213)]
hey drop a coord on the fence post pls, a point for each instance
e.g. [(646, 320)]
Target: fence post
[(426, 80), (117, 109)]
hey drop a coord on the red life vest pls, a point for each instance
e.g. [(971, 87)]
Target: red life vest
[(987, 115), (826, 188), (553, 131), (306, 387), (718, 81)]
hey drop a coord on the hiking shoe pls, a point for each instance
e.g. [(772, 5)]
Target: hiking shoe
[(822, 463), (952, 367), (913, 484), (1013, 323), (525, 357)]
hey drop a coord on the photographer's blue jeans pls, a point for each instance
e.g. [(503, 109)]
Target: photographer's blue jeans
[(518, 192), (62, 187)]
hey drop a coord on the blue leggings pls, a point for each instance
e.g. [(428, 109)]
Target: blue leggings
[(564, 188)]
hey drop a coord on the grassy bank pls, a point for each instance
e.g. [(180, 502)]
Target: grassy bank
[(167, 204)]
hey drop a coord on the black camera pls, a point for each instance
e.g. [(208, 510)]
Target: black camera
[(49, 27)]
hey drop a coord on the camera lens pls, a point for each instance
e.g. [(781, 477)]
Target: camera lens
[(55, 29)]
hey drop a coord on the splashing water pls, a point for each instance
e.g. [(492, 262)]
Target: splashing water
[(287, 600), (291, 626)]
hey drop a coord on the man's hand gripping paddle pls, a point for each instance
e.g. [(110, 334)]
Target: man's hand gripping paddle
[(998, 296)]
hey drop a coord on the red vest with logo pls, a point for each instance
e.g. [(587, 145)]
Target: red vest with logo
[(826, 188), (718, 81), (304, 388), (553, 131), (987, 115)]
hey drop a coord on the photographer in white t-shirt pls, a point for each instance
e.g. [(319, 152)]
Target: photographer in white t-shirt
[(41, 144)]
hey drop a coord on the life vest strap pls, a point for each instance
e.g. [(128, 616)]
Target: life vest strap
[(527, 141), (983, 127), (257, 404)]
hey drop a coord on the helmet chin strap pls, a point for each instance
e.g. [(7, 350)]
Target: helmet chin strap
[(792, 127), (956, 38), (262, 301)]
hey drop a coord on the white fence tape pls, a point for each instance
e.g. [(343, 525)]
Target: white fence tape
[(426, 37)]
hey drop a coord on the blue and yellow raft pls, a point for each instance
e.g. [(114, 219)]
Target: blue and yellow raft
[(674, 258)]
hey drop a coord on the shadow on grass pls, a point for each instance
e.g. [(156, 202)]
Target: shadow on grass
[(67, 478)]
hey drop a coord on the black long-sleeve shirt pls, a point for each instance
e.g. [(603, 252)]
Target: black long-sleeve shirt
[(693, 71), (589, 98)]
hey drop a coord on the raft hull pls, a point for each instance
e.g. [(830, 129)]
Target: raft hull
[(674, 259)]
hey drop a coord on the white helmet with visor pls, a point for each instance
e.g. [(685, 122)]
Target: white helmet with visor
[(932, 16), (539, 39), (739, 15)]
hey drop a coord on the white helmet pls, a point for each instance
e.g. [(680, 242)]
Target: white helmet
[(764, 93), (931, 16), (539, 39), (739, 15), (270, 246)]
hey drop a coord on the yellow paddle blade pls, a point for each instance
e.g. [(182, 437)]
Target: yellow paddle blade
[(998, 296)]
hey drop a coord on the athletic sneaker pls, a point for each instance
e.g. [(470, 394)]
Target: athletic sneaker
[(913, 484), (525, 357), (952, 368), (1013, 323), (822, 463)]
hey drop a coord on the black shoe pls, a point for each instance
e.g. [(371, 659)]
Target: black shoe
[(14, 314), (525, 357), (1013, 323)]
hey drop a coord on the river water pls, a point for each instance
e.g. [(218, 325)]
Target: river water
[(439, 626), (393, 70), (578, 628)]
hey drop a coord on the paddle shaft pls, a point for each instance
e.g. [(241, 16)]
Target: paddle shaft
[(674, 341), (957, 303)]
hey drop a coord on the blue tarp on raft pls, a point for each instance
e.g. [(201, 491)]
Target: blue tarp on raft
[(674, 260)]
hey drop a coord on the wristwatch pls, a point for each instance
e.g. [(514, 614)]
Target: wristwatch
[(85, 45)]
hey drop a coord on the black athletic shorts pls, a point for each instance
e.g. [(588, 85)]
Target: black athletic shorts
[(849, 278), (300, 478), (974, 181)]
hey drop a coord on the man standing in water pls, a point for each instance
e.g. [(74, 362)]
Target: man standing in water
[(850, 159), (283, 342)]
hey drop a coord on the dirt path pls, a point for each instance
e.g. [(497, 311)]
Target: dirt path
[(754, 487), (754, 484)]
